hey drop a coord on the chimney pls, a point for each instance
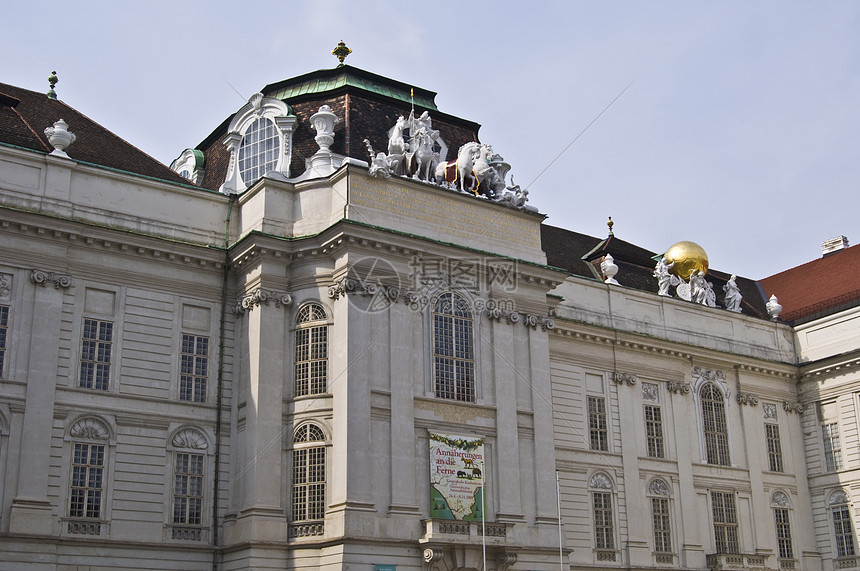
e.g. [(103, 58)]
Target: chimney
[(833, 245)]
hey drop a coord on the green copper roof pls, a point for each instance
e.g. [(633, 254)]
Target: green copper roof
[(327, 80)]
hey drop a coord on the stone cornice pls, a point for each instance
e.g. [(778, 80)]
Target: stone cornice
[(832, 370), (121, 242), (566, 328)]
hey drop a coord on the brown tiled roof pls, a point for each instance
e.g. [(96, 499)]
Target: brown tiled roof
[(25, 114), (818, 287)]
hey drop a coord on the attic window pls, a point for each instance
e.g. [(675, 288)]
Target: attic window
[(259, 151)]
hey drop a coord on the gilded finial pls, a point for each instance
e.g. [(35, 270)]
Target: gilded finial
[(610, 223), (53, 79), (341, 51)]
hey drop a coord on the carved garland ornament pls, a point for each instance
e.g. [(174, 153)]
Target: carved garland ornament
[(709, 375), (650, 392), (260, 297), (44, 278), (769, 410), (659, 488), (5, 286)]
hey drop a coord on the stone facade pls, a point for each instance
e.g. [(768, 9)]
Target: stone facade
[(198, 381)]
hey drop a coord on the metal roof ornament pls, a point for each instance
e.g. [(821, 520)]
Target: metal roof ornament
[(53, 79), (341, 51), (610, 223)]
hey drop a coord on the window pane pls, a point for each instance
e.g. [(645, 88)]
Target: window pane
[(453, 348)]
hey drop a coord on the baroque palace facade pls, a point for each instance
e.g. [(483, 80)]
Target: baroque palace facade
[(313, 344)]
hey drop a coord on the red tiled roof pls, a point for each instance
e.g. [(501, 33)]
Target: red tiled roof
[(24, 114), (817, 286)]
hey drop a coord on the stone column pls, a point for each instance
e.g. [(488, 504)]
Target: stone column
[(31, 508)]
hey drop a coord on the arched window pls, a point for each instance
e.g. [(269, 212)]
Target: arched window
[(311, 366), (90, 443), (781, 506), (843, 531), (259, 150), (307, 498), (604, 522), (453, 348), (714, 425), (659, 492), (189, 477)]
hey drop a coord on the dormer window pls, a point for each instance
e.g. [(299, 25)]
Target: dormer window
[(259, 151), (260, 140), (190, 165)]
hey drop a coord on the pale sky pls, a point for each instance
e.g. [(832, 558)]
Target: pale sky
[(739, 131)]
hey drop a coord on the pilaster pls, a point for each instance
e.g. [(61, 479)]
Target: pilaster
[(31, 508)]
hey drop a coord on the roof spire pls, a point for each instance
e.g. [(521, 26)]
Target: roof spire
[(53, 79), (610, 223), (341, 51)]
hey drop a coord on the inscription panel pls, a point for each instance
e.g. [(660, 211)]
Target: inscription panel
[(447, 217)]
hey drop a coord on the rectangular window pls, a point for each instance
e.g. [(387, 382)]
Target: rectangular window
[(96, 344), (774, 447), (783, 534), (654, 431), (188, 489), (87, 481), (662, 530), (194, 368), (832, 448), (4, 332), (311, 360), (842, 530), (603, 524), (308, 497), (725, 522), (597, 428)]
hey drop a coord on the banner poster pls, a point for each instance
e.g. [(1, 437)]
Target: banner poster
[(455, 477)]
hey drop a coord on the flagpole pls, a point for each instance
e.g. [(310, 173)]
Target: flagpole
[(560, 543)]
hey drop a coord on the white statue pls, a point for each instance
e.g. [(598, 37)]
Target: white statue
[(733, 297), (697, 286), (609, 269), (710, 295), (396, 144), (665, 279)]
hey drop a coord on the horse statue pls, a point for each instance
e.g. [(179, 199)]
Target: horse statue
[(423, 160), (455, 172), (485, 174)]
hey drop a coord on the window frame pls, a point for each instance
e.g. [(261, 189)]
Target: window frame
[(832, 446), (185, 496), (95, 362), (454, 331), (655, 440), (782, 524), (715, 425), (598, 424), (724, 516), (604, 522), (844, 539), (5, 320), (193, 378), (312, 321), (663, 533), (303, 445), (774, 447)]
